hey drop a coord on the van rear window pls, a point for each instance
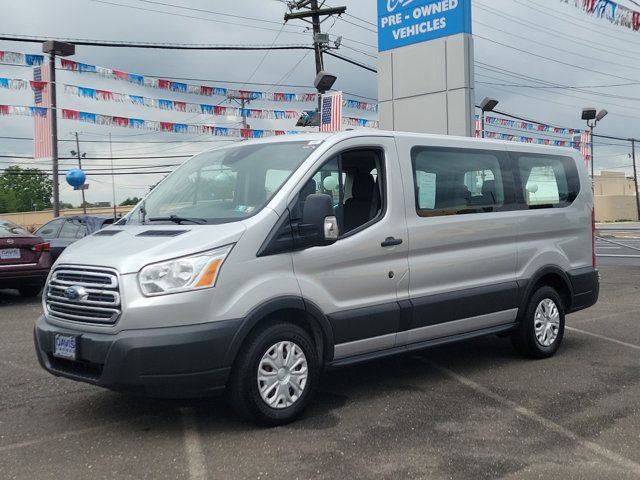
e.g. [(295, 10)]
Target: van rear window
[(547, 181)]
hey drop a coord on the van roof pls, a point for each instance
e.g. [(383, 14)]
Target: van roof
[(368, 132)]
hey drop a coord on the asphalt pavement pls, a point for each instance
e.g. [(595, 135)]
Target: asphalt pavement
[(618, 244), (465, 411)]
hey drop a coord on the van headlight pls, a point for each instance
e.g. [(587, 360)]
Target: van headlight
[(182, 274)]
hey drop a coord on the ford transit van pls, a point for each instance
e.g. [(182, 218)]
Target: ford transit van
[(255, 266)]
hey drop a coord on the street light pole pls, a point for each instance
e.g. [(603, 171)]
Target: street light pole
[(84, 202), (635, 175), (53, 48), (113, 179), (54, 133), (488, 104), (592, 172), (592, 118)]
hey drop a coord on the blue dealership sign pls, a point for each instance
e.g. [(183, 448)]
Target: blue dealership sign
[(405, 22)]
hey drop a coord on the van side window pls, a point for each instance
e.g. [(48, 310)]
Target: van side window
[(547, 181), (355, 181), (456, 181)]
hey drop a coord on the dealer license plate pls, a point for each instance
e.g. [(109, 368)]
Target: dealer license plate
[(9, 253), (65, 346)]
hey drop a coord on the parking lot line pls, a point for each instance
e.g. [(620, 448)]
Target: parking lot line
[(193, 446), (621, 461), (602, 337)]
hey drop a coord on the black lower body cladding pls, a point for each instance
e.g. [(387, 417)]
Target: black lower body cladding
[(170, 362)]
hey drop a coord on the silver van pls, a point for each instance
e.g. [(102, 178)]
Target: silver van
[(255, 266)]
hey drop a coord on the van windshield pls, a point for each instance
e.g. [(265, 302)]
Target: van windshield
[(223, 185)]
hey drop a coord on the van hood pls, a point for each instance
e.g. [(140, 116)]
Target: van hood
[(128, 248)]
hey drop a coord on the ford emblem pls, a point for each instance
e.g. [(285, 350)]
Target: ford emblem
[(77, 294)]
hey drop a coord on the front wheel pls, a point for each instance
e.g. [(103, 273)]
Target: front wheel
[(541, 328), (275, 375)]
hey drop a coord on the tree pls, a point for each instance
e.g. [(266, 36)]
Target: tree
[(65, 205), (7, 201), (130, 201), (30, 186)]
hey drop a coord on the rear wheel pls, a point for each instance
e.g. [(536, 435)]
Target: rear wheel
[(275, 375), (30, 290), (541, 328)]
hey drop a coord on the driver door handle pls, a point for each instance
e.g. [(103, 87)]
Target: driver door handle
[(391, 242)]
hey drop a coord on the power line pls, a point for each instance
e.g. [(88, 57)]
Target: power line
[(545, 29), (173, 14), (521, 76), (591, 47), (351, 61), (554, 60), (160, 46), (105, 158), (213, 12)]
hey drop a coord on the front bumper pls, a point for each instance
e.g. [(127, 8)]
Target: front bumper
[(24, 276), (172, 362)]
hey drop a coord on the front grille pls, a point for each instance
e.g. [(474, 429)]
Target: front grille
[(100, 305)]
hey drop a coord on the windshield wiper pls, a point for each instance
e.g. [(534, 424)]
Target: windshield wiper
[(178, 220)]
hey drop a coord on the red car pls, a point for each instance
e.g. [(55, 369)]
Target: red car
[(25, 259)]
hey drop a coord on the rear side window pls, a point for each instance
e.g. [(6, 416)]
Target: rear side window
[(546, 181), (457, 181)]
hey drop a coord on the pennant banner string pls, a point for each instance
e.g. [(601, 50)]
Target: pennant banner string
[(170, 127), (205, 90), (611, 11), (202, 108), (540, 127), (15, 58)]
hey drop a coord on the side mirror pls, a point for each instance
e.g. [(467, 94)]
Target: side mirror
[(319, 224)]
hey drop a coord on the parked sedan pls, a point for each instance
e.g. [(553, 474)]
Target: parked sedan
[(25, 259), (63, 231)]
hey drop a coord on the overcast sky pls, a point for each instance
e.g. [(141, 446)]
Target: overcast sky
[(602, 55)]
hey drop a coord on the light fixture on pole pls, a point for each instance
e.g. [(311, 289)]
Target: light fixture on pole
[(592, 117), (61, 49), (487, 105)]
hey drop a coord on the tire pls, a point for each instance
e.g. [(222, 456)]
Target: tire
[(30, 290), (540, 311), (256, 364)]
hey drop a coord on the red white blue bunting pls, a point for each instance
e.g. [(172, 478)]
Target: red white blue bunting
[(204, 90), (202, 108), (538, 141), (15, 58), (20, 84), (23, 110), (170, 127), (539, 127), (611, 11)]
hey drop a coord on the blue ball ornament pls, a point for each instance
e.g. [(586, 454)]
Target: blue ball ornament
[(76, 177)]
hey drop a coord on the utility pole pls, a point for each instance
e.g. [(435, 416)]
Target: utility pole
[(113, 178), (315, 13), (62, 49), (243, 102), (84, 203), (635, 175)]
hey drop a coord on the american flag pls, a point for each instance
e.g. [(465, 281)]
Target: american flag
[(585, 147), (331, 112), (42, 147), (582, 142)]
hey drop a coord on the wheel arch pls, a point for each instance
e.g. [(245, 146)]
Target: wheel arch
[(551, 276), (291, 308)]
